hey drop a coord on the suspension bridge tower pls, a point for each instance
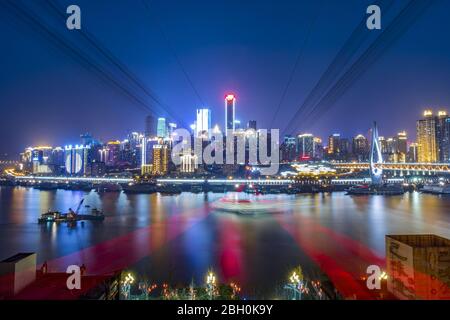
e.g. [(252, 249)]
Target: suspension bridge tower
[(376, 157)]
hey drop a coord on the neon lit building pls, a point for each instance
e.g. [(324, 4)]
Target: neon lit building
[(230, 106), (426, 138), (76, 159), (161, 129)]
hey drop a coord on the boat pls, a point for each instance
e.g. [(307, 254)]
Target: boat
[(440, 188), (246, 206), (139, 188), (46, 186), (372, 189), (71, 216), (56, 216)]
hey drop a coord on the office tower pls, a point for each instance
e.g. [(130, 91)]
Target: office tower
[(160, 159), (443, 136), (237, 124), (401, 143), (334, 144), (412, 153), (426, 138), (150, 126), (203, 123), (230, 105), (360, 148), (161, 129), (318, 148), (288, 149), (40, 158), (112, 153), (305, 147), (76, 159), (383, 145), (251, 125)]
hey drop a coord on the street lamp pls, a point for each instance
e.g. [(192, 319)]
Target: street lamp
[(296, 283), (210, 284), (127, 282)]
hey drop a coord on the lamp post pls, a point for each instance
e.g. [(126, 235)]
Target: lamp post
[(129, 279), (296, 283), (210, 284)]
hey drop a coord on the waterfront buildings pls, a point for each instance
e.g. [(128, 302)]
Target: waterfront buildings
[(76, 159), (305, 147), (360, 148), (160, 159), (426, 138)]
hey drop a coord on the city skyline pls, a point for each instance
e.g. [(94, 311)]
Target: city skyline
[(76, 101)]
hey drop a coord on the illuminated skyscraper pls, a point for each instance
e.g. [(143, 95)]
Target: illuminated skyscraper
[(230, 105), (203, 122), (160, 159), (161, 129), (360, 148), (443, 136), (76, 159), (426, 138), (305, 146)]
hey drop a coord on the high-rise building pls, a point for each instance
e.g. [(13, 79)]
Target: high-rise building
[(112, 153), (160, 159), (412, 153), (76, 159), (161, 129), (203, 123), (426, 138), (401, 143), (334, 142), (288, 149), (360, 148), (230, 106), (338, 147), (443, 136), (305, 147), (150, 126), (251, 125)]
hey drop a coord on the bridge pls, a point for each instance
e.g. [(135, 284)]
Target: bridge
[(182, 181), (404, 168)]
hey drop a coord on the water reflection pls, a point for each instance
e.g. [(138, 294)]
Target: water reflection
[(178, 238)]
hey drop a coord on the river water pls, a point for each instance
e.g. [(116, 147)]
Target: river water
[(178, 238)]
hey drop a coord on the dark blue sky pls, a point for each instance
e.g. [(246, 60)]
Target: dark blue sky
[(247, 47)]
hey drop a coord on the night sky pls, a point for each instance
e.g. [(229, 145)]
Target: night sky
[(186, 54)]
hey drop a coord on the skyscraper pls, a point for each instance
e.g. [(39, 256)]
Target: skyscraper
[(203, 122), (76, 159), (160, 159), (426, 138), (230, 105), (150, 126), (443, 136), (161, 129), (305, 146), (360, 148)]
